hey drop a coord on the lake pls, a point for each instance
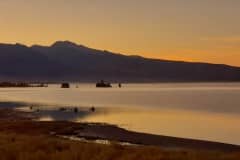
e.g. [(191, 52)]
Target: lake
[(209, 111)]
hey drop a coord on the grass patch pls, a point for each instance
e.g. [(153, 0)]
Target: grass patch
[(38, 147)]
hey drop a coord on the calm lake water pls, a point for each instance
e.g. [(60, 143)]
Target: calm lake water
[(209, 111)]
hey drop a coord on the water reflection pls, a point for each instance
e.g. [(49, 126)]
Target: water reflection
[(56, 115), (59, 113), (210, 97), (194, 110), (179, 123), (187, 124)]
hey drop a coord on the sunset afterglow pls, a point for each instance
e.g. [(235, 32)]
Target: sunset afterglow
[(189, 30)]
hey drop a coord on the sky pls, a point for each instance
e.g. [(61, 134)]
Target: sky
[(189, 30)]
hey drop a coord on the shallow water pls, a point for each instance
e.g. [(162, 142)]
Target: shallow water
[(209, 111)]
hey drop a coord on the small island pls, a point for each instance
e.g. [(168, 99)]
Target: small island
[(65, 85), (103, 84)]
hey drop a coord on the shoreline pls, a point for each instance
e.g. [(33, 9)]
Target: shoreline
[(16, 121), (22, 137)]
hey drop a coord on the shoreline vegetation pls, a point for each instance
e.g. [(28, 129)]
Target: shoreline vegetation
[(21, 137), (21, 84), (100, 84)]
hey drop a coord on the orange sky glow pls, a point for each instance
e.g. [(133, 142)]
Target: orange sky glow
[(189, 30)]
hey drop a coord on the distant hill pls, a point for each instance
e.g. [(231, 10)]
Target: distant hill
[(67, 61)]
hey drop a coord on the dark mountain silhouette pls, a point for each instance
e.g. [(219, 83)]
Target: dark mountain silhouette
[(23, 63), (68, 61)]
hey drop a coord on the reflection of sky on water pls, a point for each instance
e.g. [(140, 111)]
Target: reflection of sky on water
[(179, 123), (45, 113), (61, 115), (211, 97), (193, 110)]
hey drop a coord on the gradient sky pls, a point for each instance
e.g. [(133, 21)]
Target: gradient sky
[(191, 30)]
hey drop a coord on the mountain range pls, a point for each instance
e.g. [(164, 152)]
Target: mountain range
[(67, 61)]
